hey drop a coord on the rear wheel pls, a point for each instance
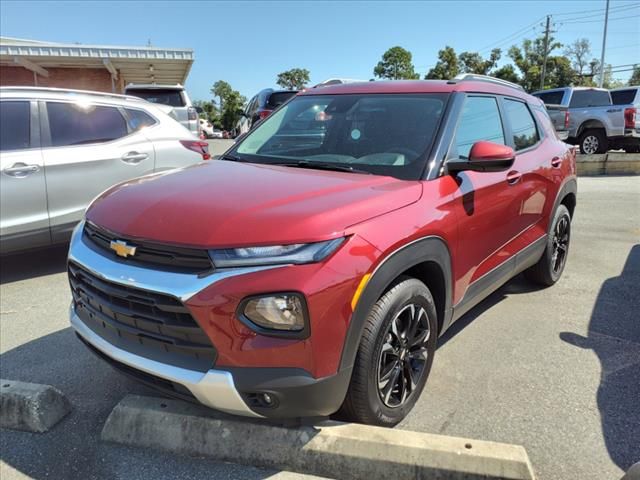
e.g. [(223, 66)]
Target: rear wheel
[(549, 268), (394, 357), (593, 141)]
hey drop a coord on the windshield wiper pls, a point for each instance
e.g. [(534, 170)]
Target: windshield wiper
[(322, 166), (233, 158)]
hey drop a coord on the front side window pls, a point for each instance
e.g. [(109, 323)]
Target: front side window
[(81, 123), (590, 98), (479, 120), (15, 125), (523, 126), (373, 133)]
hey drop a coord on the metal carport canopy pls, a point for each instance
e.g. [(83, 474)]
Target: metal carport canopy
[(133, 64)]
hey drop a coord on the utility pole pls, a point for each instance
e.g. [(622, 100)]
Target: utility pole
[(604, 44), (546, 52)]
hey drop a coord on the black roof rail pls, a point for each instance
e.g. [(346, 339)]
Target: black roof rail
[(484, 78)]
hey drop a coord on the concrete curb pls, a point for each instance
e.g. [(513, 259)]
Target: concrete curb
[(30, 406), (609, 164), (331, 449)]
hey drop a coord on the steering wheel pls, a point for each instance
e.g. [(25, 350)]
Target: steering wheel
[(410, 155)]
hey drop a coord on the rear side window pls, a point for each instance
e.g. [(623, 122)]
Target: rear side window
[(278, 98), (169, 97), (523, 126), (551, 98), (480, 120), (623, 97), (15, 129), (139, 119), (77, 124), (590, 98)]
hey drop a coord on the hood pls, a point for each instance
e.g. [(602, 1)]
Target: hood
[(223, 204)]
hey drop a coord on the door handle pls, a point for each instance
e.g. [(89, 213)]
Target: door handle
[(20, 170), (556, 162), (513, 177), (134, 157)]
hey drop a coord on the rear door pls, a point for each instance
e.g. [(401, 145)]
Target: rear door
[(24, 220), (87, 148)]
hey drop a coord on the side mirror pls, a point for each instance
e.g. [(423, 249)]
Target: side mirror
[(484, 157), (199, 109)]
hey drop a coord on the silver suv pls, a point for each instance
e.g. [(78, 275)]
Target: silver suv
[(174, 96), (61, 148)]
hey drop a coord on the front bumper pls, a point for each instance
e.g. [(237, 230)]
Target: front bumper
[(214, 389)]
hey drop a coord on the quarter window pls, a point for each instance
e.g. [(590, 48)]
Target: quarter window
[(139, 119), (78, 124), (590, 98), (480, 120), (523, 126), (14, 125)]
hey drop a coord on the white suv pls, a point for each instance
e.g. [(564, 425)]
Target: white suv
[(61, 148), (174, 96)]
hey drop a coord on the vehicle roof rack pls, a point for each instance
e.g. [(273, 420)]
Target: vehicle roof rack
[(71, 91), (463, 77)]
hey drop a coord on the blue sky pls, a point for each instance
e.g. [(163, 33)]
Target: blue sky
[(249, 43)]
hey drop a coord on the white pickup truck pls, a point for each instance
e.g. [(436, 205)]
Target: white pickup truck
[(594, 122)]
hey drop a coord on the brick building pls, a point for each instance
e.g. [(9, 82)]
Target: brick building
[(89, 67)]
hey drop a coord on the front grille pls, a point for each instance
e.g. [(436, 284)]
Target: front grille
[(181, 259), (152, 325)]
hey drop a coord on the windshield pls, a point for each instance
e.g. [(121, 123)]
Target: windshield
[(379, 134)]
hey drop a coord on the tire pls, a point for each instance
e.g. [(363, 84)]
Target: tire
[(382, 346), (593, 141), (549, 268)]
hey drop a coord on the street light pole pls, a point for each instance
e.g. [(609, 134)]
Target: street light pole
[(604, 44)]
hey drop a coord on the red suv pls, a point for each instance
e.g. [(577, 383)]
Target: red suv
[(313, 267)]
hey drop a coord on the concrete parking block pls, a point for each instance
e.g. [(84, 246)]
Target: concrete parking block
[(330, 449), (30, 406), (591, 164), (623, 164)]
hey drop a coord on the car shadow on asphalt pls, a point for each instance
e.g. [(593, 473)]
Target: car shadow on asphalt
[(515, 286), (32, 264), (73, 449), (614, 336)]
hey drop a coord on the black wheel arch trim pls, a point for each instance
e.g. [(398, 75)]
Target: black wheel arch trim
[(569, 187), (426, 249)]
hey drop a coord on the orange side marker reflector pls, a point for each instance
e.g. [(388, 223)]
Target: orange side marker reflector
[(361, 285)]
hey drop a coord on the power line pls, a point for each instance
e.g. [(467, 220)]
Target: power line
[(592, 11), (599, 21), (620, 10), (507, 39)]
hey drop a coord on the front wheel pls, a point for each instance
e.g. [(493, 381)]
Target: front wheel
[(394, 357), (549, 268)]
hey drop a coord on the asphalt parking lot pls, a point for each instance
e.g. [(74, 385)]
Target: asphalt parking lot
[(555, 370)]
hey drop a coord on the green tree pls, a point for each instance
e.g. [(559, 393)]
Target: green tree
[(448, 65), (529, 58), (507, 72), (230, 104), (472, 62), (293, 79), (578, 53), (396, 64), (635, 76), (209, 112)]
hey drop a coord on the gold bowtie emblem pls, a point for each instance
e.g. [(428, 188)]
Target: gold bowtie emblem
[(122, 249)]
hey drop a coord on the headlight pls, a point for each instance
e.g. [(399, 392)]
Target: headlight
[(284, 312), (298, 253)]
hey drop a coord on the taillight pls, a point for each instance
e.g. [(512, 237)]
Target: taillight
[(630, 117), (197, 146), (264, 113), (192, 113), (567, 117)]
